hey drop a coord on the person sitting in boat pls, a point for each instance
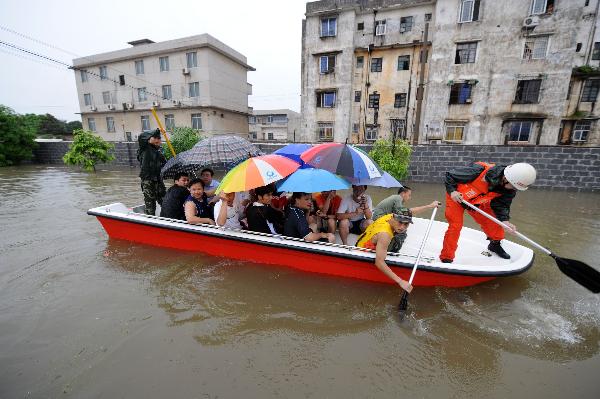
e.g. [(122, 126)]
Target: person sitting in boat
[(261, 216), (228, 211), (378, 237), (396, 204), (489, 187), (327, 204), (210, 184), (196, 205), (354, 213), (296, 224), (172, 206)]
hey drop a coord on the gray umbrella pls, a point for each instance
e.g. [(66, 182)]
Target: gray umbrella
[(219, 152)]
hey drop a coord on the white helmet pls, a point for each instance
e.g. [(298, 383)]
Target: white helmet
[(520, 175)]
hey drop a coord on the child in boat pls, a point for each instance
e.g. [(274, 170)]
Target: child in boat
[(261, 216), (327, 204), (196, 205), (172, 206), (296, 224), (378, 236)]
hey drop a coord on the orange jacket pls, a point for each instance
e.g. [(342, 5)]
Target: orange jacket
[(478, 192)]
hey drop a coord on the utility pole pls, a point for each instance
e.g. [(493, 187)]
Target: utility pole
[(420, 87)]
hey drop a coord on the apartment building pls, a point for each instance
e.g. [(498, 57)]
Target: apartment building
[(281, 125), (518, 72), (196, 82)]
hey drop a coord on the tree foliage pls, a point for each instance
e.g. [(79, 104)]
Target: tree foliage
[(50, 126), (17, 137), (72, 126), (182, 139), (392, 157), (87, 150)]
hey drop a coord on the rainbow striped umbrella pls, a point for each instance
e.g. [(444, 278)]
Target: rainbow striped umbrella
[(256, 172)]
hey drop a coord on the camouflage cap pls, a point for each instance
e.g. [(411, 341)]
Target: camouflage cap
[(404, 216)]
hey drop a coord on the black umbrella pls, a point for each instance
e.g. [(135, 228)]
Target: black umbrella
[(219, 152)]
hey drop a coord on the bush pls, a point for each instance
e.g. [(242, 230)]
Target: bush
[(182, 139), (392, 157), (17, 137), (87, 150)]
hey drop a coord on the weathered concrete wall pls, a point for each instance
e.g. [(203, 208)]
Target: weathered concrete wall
[(559, 168)]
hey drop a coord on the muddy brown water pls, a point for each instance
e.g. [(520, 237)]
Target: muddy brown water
[(82, 316)]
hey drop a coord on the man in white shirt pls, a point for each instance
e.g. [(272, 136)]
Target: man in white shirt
[(228, 211), (355, 213)]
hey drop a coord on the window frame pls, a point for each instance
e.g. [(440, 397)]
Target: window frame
[(191, 59), (457, 96), (374, 99), (145, 120), (532, 10), (407, 23), (357, 96), (323, 127), (110, 124), (322, 99), (87, 99), (196, 120), (141, 91), (594, 86), (329, 20), (405, 63), (360, 59), (163, 64), (473, 12), (596, 51), (399, 100), (454, 125), (139, 67), (583, 131), (531, 46), (103, 72), (106, 97), (329, 65), (377, 61), (526, 89), (521, 124), (378, 30), (83, 75), (400, 125), (470, 50), (169, 90), (169, 121), (371, 133), (194, 89), (92, 124)]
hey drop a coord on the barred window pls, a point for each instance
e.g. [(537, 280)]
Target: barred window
[(399, 100), (325, 131), (376, 64), (404, 62), (465, 53), (373, 100), (455, 131), (528, 91), (590, 90)]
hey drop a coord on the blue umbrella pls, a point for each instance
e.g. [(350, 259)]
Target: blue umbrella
[(311, 180), (386, 180), (293, 151)]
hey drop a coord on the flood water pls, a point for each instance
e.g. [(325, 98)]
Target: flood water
[(82, 316)]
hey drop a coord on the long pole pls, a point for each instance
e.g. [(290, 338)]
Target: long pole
[(163, 131), (420, 87)]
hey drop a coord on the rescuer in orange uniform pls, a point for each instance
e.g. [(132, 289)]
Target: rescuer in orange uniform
[(492, 189)]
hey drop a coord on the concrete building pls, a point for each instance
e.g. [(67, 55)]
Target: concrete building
[(492, 72), (196, 81), (274, 125)]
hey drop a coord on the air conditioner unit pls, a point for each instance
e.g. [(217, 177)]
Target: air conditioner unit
[(531, 21), (155, 104), (129, 105), (186, 71), (110, 106), (93, 108)]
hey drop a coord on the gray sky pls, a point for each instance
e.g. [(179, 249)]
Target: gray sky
[(267, 32)]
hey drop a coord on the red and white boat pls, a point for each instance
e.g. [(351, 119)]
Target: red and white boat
[(473, 263)]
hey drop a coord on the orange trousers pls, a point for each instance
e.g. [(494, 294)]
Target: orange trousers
[(454, 216)]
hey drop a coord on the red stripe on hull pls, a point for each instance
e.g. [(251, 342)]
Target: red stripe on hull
[(270, 255)]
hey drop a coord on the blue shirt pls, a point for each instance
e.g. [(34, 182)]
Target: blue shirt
[(296, 224), (203, 210)]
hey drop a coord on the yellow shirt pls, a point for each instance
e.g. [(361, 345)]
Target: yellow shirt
[(380, 225)]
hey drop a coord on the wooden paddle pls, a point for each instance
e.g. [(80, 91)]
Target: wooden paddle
[(403, 305), (579, 272)]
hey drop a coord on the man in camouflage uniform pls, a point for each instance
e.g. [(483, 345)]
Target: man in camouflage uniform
[(151, 161)]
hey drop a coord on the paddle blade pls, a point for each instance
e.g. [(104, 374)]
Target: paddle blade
[(403, 305), (583, 274)]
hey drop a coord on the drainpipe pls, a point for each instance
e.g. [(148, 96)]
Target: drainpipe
[(420, 87)]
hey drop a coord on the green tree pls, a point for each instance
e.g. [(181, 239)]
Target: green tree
[(72, 126), (50, 126), (87, 150), (16, 138), (392, 157), (182, 139)]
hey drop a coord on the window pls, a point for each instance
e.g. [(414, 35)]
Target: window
[(399, 100), (371, 133), (427, 17), (535, 48), (374, 100), (596, 51), (460, 93), (92, 124), (281, 119), (141, 94), (269, 119), (357, 96), (520, 131), (380, 28), (403, 62), (87, 99), (355, 127), (122, 80), (360, 60), (325, 131), (469, 11), (406, 24), (455, 131), (360, 26), (194, 89), (197, 121), (465, 53), (252, 135), (169, 121), (110, 124), (166, 92), (106, 97), (376, 64), (103, 72), (145, 123), (139, 67), (578, 47), (192, 59), (590, 90), (328, 26), (327, 63), (581, 130), (252, 119), (326, 99), (84, 75), (528, 91), (542, 7), (398, 128), (164, 63), (270, 136)]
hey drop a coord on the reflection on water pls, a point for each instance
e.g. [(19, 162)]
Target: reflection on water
[(85, 315)]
